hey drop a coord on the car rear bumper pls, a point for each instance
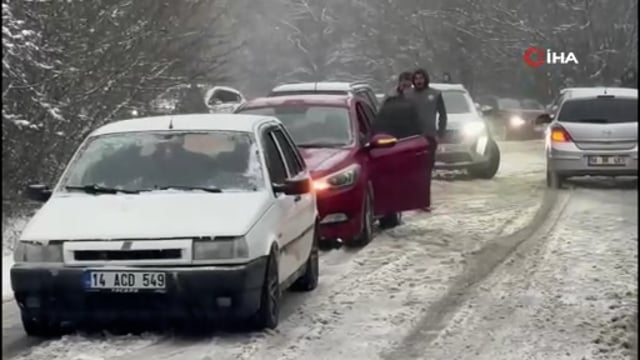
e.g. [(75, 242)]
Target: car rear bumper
[(206, 292), (460, 156), (574, 162), (340, 213)]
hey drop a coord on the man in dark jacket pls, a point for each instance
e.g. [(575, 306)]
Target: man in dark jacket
[(430, 105), (192, 102), (398, 115)]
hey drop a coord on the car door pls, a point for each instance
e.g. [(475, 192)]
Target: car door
[(297, 248), (398, 174), (285, 204)]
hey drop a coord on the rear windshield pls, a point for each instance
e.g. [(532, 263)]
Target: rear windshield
[(600, 111), (507, 103), (455, 102), (320, 126)]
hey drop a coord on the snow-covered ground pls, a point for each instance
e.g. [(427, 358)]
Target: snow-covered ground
[(434, 287)]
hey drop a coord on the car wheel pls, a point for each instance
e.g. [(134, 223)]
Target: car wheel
[(490, 169), (269, 311), (366, 234), (309, 280), (554, 180), (40, 326), (390, 221)]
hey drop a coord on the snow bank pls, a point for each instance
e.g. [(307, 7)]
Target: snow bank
[(7, 292), (11, 229)]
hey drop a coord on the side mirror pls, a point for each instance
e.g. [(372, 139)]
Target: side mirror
[(544, 119), (38, 192), (293, 187), (380, 141)]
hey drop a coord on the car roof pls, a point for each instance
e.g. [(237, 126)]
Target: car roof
[(320, 86), (594, 92), (308, 99), (447, 86), (221, 122)]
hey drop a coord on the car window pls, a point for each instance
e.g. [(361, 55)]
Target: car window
[(368, 96), (370, 115), (288, 152), (456, 102), (506, 103), (292, 145), (365, 119), (144, 161), (275, 163), (308, 125), (599, 111)]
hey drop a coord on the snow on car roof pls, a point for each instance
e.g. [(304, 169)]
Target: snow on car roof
[(315, 86), (311, 99), (585, 93), (443, 86), (223, 122)]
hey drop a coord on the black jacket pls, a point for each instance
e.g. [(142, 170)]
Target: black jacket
[(398, 117)]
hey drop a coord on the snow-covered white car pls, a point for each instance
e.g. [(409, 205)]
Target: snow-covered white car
[(468, 144), (223, 99), (219, 99), (170, 217)]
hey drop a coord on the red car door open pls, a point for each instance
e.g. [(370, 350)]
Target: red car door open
[(399, 176)]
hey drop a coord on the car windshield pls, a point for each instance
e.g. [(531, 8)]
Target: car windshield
[(323, 126), (455, 102), (599, 111), (506, 103), (141, 161), (527, 104)]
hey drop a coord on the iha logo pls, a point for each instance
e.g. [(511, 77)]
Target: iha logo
[(535, 57)]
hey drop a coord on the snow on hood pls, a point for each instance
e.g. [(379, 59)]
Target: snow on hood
[(321, 159), (457, 121), (146, 215)]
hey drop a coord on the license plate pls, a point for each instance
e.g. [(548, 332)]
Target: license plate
[(125, 281), (607, 160)]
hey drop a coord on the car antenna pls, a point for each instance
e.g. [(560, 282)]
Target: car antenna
[(605, 91), (171, 123)]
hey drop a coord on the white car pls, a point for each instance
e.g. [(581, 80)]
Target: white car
[(197, 216)]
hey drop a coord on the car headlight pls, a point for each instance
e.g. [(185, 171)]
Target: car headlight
[(340, 179), (516, 121), (37, 253), (473, 129), (220, 248)]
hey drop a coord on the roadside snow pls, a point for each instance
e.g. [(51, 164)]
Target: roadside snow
[(7, 292)]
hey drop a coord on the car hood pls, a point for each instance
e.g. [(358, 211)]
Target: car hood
[(457, 121), (322, 159), (145, 216)]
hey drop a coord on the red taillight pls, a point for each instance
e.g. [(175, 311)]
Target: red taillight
[(559, 134)]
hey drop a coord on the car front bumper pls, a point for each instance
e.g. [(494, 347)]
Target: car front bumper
[(340, 213), (57, 292), (568, 160), (463, 155)]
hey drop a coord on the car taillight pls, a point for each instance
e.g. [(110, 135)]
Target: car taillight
[(559, 134)]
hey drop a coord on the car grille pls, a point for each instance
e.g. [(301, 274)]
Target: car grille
[(452, 137), (106, 255)]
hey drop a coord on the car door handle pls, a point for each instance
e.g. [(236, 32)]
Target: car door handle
[(297, 198)]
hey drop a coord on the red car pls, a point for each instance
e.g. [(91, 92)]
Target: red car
[(358, 176)]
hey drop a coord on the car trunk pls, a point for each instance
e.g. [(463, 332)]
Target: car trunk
[(603, 123)]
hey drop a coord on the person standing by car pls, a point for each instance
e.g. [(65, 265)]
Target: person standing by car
[(398, 115), (429, 103)]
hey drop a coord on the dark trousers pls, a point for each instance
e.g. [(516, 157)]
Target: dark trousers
[(433, 146)]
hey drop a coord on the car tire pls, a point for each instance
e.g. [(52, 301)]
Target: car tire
[(390, 221), (489, 169), (554, 181), (309, 280), (268, 313), (41, 327), (366, 233)]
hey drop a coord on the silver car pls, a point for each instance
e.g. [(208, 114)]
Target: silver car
[(467, 144), (594, 132)]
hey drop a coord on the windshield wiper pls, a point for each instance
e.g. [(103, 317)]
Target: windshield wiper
[(189, 188), (98, 189)]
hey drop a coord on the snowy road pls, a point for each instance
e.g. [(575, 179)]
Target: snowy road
[(438, 286)]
